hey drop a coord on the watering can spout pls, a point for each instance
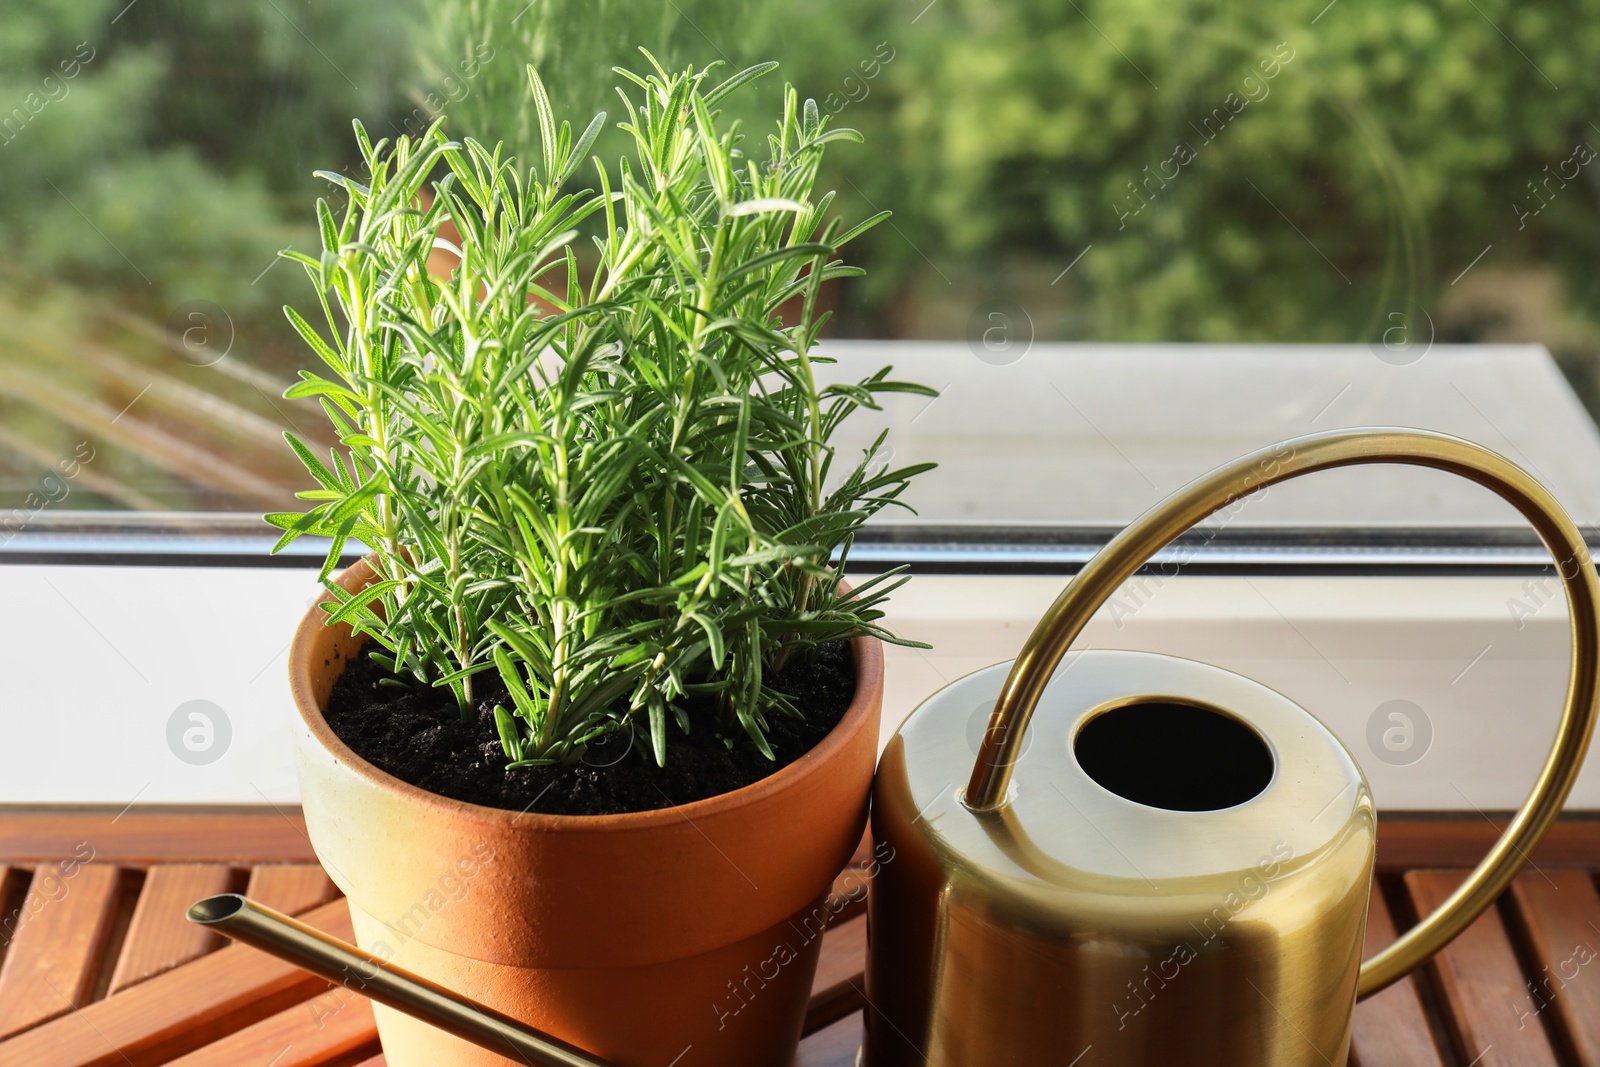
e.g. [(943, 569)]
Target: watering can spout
[(255, 924)]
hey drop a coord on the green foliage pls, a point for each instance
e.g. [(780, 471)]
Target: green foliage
[(1396, 144), (576, 43), (611, 487), (144, 149), (154, 158)]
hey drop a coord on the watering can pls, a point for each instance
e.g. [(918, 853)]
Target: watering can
[(1142, 861), (1145, 860)]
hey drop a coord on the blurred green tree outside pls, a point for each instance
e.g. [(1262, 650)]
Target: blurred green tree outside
[(1181, 170), (178, 158), (1386, 149), (154, 158)]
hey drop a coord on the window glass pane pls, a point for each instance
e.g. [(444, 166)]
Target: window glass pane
[(1398, 179)]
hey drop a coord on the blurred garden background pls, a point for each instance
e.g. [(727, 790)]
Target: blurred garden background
[(1137, 170)]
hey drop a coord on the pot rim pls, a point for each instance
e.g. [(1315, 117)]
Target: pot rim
[(866, 652)]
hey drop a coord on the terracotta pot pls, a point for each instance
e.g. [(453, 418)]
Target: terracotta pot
[(685, 937)]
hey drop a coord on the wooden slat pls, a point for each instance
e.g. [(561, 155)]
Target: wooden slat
[(253, 836), (290, 887), (835, 992), (160, 936), (1391, 1028), (53, 961), (13, 889), (248, 836), (1479, 979), (156, 835), (295, 1037), (179, 1011), (838, 989), (834, 1047), (249, 1008), (1408, 843), (1558, 914), (129, 885)]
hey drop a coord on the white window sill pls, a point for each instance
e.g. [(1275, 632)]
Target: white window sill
[(101, 656)]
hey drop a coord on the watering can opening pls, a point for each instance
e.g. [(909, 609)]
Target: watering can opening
[(1174, 755)]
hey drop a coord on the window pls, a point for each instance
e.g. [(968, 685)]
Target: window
[(1130, 242), (1399, 179)]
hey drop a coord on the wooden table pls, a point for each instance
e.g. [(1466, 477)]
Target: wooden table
[(99, 967)]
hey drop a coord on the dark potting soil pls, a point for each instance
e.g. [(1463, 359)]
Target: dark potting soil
[(417, 734)]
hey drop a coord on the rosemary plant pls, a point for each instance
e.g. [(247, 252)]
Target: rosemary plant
[(606, 479)]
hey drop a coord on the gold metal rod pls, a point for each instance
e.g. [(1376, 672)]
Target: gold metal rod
[(346, 965), (1122, 557)]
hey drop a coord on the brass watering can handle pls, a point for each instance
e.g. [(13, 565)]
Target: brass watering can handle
[(1158, 527)]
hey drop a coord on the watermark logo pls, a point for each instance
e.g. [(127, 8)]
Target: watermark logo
[(1542, 993), (1399, 733), (1543, 193), (452, 886), (54, 88), (1538, 593), (51, 885), (452, 89), (610, 749), (857, 88), (198, 732), (1139, 590), (807, 930), (1253, 886), (878, 460), (54, 486), (1403, 337), (199, 332), (978, 726), (1148, 186), (1000, 332)]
